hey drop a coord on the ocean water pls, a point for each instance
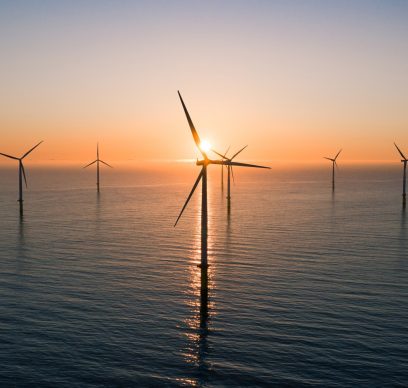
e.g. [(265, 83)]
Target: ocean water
[(306, 288)]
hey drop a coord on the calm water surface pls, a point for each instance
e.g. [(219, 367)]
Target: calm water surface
[(307, 288)]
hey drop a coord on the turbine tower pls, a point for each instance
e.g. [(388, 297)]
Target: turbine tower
[(97, 161), (202, 176), (222, 172), (21, 173), (404, 180), (333, 160)]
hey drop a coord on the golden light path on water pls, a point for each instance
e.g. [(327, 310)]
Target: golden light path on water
[(202, 309)]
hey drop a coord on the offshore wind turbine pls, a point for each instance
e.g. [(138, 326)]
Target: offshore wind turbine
[(231, 171), (202, 176), (333, 160), (404, 180), (97, 161), (21, 173)]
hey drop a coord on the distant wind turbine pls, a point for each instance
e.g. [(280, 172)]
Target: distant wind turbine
[(333, 160), (231, 171), (21, 173), (404, 181), (202, 176), (97, 161)]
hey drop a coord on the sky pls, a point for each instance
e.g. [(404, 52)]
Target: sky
[(295, 80)]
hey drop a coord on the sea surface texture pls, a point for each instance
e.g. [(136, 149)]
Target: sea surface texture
[(307, 288)]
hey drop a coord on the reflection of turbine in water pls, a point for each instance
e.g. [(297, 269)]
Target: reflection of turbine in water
[(21, 173), (97, 161), (333, 160), (403, 224), (98, 211), (197, 331), (21, 231), (404, 179), (21, 245)]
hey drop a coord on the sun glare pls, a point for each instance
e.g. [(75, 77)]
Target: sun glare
[(205, 146)]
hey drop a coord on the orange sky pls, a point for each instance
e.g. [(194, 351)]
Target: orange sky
[(293, 81)]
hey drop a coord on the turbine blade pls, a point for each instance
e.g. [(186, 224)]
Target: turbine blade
[(246, 165), (232, 173), (239, 152), (97, 150), (226, 152), (24, 174), (9, 156), (190, 195), (90, 164), (403, 156), (32, 149), (190, 123), (215, 152), (332, 160), (337, 166), (338, 153), (105, 163)]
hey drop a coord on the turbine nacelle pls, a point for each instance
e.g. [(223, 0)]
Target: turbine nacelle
[(203, 162), (333, 159), (207, 161)]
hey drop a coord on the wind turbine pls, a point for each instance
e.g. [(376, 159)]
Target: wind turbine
[(21, 173), (202, 176), (97, 161), (231, 171), (404, 181), (333, 160)]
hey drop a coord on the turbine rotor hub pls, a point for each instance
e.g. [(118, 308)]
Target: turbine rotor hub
[(203, 162)]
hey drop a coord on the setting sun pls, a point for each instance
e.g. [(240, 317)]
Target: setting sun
[(205, 146)]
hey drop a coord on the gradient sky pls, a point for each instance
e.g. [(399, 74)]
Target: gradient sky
[(294, 80)]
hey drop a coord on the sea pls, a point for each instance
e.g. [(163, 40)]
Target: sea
[(307, 288)]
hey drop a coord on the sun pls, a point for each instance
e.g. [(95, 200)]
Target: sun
[(205, 146)]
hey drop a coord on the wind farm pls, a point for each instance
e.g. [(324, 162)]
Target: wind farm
[(251, 231)]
